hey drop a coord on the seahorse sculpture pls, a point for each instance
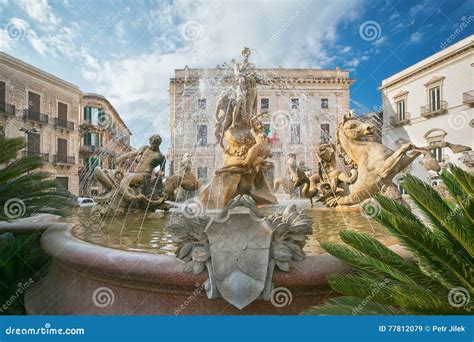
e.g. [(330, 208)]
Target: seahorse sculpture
[(376, 164)]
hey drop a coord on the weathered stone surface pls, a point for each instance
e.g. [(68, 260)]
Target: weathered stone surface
[(240, 252)]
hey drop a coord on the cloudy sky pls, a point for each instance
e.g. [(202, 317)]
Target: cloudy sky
[(128, 50)]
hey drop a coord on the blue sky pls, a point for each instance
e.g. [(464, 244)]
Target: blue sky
[(128, 50)]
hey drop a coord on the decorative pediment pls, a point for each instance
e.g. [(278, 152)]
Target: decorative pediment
[(401, 93), (435, 79)]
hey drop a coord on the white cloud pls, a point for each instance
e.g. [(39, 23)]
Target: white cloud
[(415, 38), (278, 33), (13, 32), (6, 42), (40, 11), (353, 63), (380, 41), (393, 16)]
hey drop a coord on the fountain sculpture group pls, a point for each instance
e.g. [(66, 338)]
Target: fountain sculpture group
[(231, 240)]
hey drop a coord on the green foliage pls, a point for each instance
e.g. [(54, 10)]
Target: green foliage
[(22, 262), (23, 189), (437, 279)]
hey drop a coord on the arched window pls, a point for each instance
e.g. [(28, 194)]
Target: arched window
[(435, 136)]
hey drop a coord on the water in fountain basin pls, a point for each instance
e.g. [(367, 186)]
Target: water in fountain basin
[(154, 238)]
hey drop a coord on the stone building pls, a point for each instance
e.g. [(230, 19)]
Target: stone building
[(300, 107), (103, 137), (433, 101), (45, 111)]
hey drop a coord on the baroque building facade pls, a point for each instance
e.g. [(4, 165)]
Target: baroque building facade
[(433, 101), (44, 110), (71, 131), (300, 109), (103, 137)]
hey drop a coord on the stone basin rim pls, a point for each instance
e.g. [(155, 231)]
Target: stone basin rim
[(104, 262)]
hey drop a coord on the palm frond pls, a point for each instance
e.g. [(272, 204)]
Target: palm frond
[(441, 253)]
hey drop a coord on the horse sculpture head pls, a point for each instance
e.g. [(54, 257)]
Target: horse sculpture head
[(351, 129), (355, 129)]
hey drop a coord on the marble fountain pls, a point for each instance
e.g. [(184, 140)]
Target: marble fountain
[(232, 246)]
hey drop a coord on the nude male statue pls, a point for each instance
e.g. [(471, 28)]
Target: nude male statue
[(149, 157)]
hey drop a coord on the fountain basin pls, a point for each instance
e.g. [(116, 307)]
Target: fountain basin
[(86, 279)]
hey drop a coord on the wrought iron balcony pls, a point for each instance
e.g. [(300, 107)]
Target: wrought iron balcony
[(35, 116), (60, 159), (61, 123), (434, 108), (88, 148), (468, 98), (86, 123), (400, 119), (44, 156), (7, 108)]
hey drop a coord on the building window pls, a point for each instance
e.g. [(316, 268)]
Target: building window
[(91, 115), (325, 137), (202, 172), (64, 181), (34, 101), (202, 104), (202, 135), (437, 152), (295, 134), (91, 139), (2, 93), (34, 142), (102, 119), (435, 98), (62, 148), (62, 111), (324, 103), (436, 136), (264, 103), (295, 103), (91, 163), (401, 105)]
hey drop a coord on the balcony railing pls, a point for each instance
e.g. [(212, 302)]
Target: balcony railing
[(434, 108), (60, 159), (468, 158), (87, 122), (88, 148), (400, 119), (468, 98), (35, 116), (44, 156), (7, 108), (61, 123)]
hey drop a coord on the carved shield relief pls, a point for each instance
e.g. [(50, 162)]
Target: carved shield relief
[(240, 253)]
